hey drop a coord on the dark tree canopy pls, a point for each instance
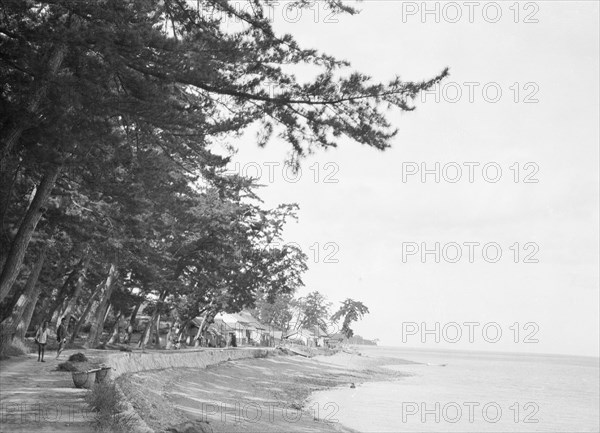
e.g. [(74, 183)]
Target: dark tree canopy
[(108, 113)]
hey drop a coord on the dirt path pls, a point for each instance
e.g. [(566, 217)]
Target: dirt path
[(34, 397)]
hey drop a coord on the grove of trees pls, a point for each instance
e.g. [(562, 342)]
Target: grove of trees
[(111, 194), (311, 312)]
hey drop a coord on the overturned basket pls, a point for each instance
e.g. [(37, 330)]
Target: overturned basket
[(102, 374), (84, 379)]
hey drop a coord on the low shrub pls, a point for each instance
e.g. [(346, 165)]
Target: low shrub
[(17, 347), (113, 423), (78, 357), (105, 399), (66, 366), (260, 353)]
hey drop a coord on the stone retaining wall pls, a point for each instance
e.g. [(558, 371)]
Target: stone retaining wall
[(132, 362)]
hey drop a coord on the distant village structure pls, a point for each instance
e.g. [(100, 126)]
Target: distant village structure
[(243, 329)]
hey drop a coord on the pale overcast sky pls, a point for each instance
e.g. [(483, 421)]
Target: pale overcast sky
[(366, 219)]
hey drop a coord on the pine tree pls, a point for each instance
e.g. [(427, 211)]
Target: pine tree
[(107, 113)]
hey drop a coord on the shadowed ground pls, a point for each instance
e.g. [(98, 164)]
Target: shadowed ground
[(34, 397)]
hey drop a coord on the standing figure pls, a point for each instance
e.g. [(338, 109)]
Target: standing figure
[(41, 338)]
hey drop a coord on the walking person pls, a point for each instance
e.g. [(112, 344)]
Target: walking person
[(61, 337), (41, 338)]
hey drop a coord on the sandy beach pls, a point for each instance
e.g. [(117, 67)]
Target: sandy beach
[(253, 395)]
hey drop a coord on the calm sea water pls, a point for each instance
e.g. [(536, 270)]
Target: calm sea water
[(474, 392)]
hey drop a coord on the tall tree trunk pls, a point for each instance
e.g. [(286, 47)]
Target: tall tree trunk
[(152, 329), (89, 307), (108, 308), (8, 305), (13, 135), (131, 321), (197, 338), (183, 330), (154, 324), (99, 317), (210, 314), (144, 336), (13, 263), (25, 321), (40, 313), (134, 313), (67, 294), (62, 299), (77, 292), (157, 344), (55, 316), (8, 179), (115, 331), (169, 337), (96, 304), (29, 297)]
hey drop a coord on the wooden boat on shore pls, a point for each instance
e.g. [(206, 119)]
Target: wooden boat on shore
[(299, 351)]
